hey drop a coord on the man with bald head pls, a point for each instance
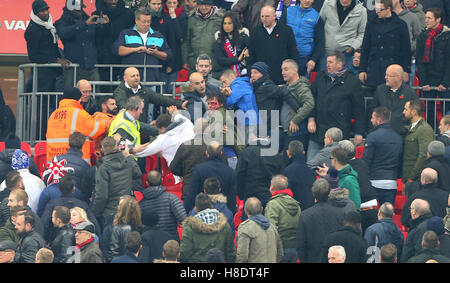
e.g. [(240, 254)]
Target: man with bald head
[(272, 35), (420, 213), (430, 192), (257, 239), (195, 95), (393, 94), (213, 166), (131, 85), (87, 100)]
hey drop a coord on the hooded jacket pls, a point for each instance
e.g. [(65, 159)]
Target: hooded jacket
[(219, 202), (114, 178), (348, 179), (206, 230), (283, 211), (169, 208), (258, 241)]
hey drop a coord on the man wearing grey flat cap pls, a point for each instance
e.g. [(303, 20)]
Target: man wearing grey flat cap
[(436, 161)]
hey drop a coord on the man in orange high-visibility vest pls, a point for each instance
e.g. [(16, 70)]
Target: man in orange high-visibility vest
[(68, 118)]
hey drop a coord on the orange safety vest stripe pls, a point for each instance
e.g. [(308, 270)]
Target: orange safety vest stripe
[(68, 118)]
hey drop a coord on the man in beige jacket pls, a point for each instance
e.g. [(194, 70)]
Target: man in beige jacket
[(257, 239)]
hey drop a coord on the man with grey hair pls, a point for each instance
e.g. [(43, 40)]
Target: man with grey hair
[(436, 161), (283, 211), (318, 221), (368, 199), (430, 192), (258, 240), (331, 141), (420, 213), (127, 124), (300, 176), (385, 231), (336, 254)]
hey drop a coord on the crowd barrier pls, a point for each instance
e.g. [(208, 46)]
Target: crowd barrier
[(31, 103)]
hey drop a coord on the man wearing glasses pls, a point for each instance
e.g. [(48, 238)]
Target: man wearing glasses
[(393, 95)]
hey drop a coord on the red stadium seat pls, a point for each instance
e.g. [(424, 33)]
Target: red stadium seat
[(23, 146), (40, 156), (399, 203)]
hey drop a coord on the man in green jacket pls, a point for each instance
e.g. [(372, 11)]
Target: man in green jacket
[(131, 85), (296, 124), (283, 211), (420, 134), (348, 178), (206, 230)]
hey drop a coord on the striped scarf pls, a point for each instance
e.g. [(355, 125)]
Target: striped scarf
[(429, 43), (208, 15)]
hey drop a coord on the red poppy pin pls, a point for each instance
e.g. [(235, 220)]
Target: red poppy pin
[(161, 21), (277, 35), (401, 97)]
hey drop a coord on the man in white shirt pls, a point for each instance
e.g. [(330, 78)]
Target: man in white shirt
[(171, 135)]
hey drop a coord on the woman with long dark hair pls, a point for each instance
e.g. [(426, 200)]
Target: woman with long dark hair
[(231, 47)]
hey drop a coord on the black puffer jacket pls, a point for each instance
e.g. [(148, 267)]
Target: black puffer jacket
[(5, 164), (114, 178), (169, 208), (29, 244), (65, 238)]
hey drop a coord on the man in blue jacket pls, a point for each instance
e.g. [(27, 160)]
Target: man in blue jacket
[(308, 28), (383, 155), (142, 45), (240, 96)]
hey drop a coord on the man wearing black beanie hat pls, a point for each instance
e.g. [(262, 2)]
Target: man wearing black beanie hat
[(68, 118), (269, 96)]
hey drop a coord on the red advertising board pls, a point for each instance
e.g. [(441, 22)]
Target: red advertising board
[(14, 19)]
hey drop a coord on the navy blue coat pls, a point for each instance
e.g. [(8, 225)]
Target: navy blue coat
[(383, 153), (127, 257), (153, 241), (212, 167), (301, 178), (385, 42), (383, 232), (78, 39), (84, 174)]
